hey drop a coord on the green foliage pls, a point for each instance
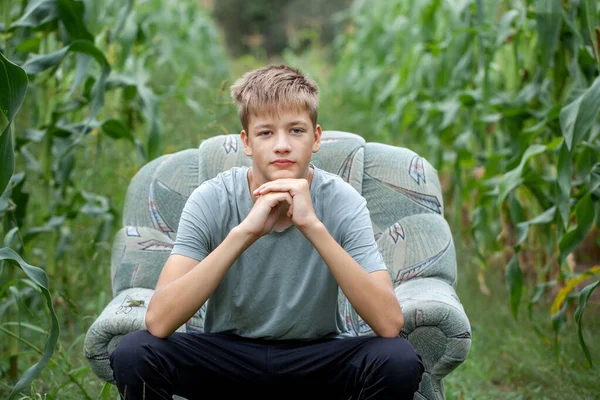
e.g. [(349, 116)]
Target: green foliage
[(39, 278), (95, 73), (503, 97), (586, 292), (510, 358), (13, 82)]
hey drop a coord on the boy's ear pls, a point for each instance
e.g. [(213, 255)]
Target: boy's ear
[(245, 142), (317, 144)]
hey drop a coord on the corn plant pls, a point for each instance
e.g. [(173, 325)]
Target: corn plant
[(503, 97), (13, 85)]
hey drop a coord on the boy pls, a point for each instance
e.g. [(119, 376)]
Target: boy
[(268, 247)]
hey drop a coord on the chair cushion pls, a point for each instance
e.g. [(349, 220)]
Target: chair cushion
[(398, 182)]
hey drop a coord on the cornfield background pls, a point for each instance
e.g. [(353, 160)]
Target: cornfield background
[(502, 96)]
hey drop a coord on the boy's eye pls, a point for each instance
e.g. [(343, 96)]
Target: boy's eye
[(297, 130), (264, 133)]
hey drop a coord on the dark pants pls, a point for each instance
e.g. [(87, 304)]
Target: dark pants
[(204, 366)]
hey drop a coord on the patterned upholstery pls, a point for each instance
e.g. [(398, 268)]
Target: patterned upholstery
[(404, 198)]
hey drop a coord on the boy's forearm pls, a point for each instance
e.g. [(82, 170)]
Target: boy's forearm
[(175, 303), (376, 304)]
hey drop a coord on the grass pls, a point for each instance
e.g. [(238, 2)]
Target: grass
[(508, 360)]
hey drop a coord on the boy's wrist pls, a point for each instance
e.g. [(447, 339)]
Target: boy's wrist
[(243, 236), (312, 227)]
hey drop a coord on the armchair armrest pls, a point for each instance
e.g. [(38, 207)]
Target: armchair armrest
[(436, 324), (139, 253), (125, 313)]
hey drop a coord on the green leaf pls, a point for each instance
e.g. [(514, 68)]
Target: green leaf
[(514, 279), (96, 204), (105, 392), (555, 143), (37, 13), (13, 86), (589, 12), (71, 14), (40, 278), (41, 63), (15, 181), (513, 178), (559, 319), (517, 213), (544, 218), (7, 163), (123, 15), (593, 179), (586, 214), (584, 296), (116, 129), (52, 225), (504, 27), (563, 195), (82, 64), (577, 117), (549, 20), (10, 236), (150, 111)]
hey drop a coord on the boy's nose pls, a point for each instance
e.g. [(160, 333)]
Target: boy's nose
[(282, 144)]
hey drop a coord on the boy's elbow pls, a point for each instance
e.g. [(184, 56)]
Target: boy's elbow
[(392, 328), (155, 327)]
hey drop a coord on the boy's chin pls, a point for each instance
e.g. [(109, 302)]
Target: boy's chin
[(285, 174)]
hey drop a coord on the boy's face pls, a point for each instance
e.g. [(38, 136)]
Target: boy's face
[(281, 146)]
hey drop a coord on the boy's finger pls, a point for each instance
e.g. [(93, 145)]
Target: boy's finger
[(276, 187), (278, 197)]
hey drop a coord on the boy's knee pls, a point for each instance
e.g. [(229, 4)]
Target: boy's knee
[(132, 349), (398, 362)]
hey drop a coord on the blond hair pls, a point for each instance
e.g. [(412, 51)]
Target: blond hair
[(272, 89)]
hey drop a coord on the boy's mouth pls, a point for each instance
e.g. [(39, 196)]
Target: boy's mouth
[(282, 162)]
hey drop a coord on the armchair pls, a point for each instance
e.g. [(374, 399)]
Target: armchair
[(405, 202)]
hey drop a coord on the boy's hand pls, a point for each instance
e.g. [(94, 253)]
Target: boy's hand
[(264, 213), (301, 209)]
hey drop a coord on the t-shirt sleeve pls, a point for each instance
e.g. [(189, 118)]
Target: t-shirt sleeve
[(193, 237), (358, 239)]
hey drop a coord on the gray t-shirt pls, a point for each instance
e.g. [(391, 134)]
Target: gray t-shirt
[(280, 287)]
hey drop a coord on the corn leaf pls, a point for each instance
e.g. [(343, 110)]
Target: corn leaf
[(71, 14), (590, 12), (514, 279), (37, 13), (513, 178), (38, 276), (549, 20), (563, 195), (13, 86), (577, 117), (585, 212), (40, 63), (586, 292), (523, 227)]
